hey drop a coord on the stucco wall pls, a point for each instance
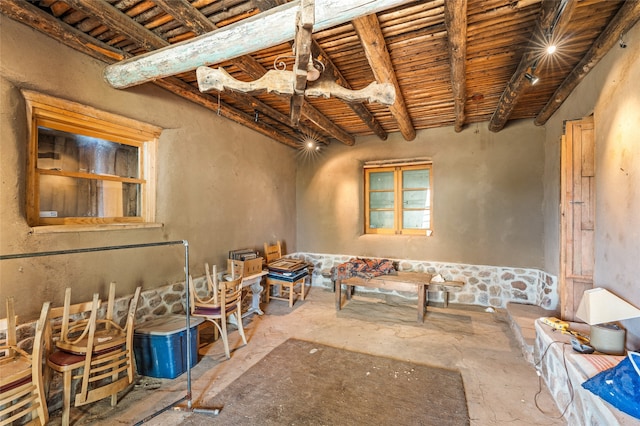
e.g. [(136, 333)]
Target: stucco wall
[(220, 186), (487, 197), (611, 92)]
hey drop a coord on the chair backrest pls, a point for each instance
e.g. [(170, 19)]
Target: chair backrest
[(273, 252), (212, 296), (21, 379), (230, 293), (8, 343), (235, 268), (119, 359)]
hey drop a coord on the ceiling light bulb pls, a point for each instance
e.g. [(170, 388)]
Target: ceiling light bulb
[(551, 49), (532, 78), (310, 145)]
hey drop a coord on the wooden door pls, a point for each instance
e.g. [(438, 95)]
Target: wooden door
[(577, 203)]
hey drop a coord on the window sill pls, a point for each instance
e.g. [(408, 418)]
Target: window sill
[(54, 229)]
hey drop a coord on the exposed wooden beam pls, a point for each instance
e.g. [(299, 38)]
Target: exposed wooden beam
[(28, 14), (627, 17), (191, 93), (455, 19), (302, 41), (120, 22), (264, 30), (375, 48), (188, 15), (518, 83)]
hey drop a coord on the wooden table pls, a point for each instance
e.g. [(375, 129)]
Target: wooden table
[(403, 281)]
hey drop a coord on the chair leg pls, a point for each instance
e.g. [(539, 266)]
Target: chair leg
[(291, 294), (43, 413), (240, 326), (114, 396), (268, 291), (66, 397), (225, 338), (302, 288)]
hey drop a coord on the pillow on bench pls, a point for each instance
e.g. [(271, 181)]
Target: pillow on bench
[(620, 385)]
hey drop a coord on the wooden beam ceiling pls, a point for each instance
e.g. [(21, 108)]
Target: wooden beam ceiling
[(519, 83), (627, 17), (249, 35), (150, 40), (372, 40), (70, 36), (438, 55), (191, 17)]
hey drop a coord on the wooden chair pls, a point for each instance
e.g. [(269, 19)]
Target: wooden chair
[(273, 252), (21, 385), (286, 289), (96, 351), (223, 299)]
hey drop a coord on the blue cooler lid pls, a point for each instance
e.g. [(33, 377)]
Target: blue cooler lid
[(166, 325)]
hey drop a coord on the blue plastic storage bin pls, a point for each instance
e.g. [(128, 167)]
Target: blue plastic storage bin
[(160, 346)]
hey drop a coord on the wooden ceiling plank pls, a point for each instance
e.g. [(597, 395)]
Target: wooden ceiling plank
[(518, 83), (626, 18), (120, 22), (359, 109), (247, 36), (30, 15), (455, 18), (191, 93), (373, 43)]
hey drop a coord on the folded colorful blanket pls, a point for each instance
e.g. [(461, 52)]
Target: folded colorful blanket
[(363, 268)]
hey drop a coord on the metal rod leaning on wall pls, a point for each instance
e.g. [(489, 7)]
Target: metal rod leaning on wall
[(188, 396)]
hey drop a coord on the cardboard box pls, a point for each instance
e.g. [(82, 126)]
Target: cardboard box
[(246, 267), (160, 346)]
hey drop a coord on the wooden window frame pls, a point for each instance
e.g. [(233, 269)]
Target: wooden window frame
[(72, 117), (397, 168)]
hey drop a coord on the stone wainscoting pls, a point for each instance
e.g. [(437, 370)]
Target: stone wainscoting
[(493, 286)]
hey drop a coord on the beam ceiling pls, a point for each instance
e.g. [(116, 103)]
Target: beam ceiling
[(452, 62)]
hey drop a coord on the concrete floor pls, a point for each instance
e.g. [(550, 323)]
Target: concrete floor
[(500, 385)]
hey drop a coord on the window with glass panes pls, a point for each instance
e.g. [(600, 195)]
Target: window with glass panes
[(88, 167), (398, 200)]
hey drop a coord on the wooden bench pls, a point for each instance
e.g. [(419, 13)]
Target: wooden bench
[(403, 281)]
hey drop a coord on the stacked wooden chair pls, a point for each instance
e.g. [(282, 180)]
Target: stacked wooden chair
[(222, 299), (96, 351), (288, 289), (21, 385)]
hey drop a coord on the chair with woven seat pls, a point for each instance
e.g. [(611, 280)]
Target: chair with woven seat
[(223, 299), (21, 385), (97, 351), (286, 288)]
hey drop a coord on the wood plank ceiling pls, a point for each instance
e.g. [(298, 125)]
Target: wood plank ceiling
[(453, 62)]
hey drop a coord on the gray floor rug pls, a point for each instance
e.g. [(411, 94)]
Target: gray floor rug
[(306, 383)]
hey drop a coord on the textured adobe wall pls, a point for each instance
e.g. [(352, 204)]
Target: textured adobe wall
[(487, 197), (220, 186)]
